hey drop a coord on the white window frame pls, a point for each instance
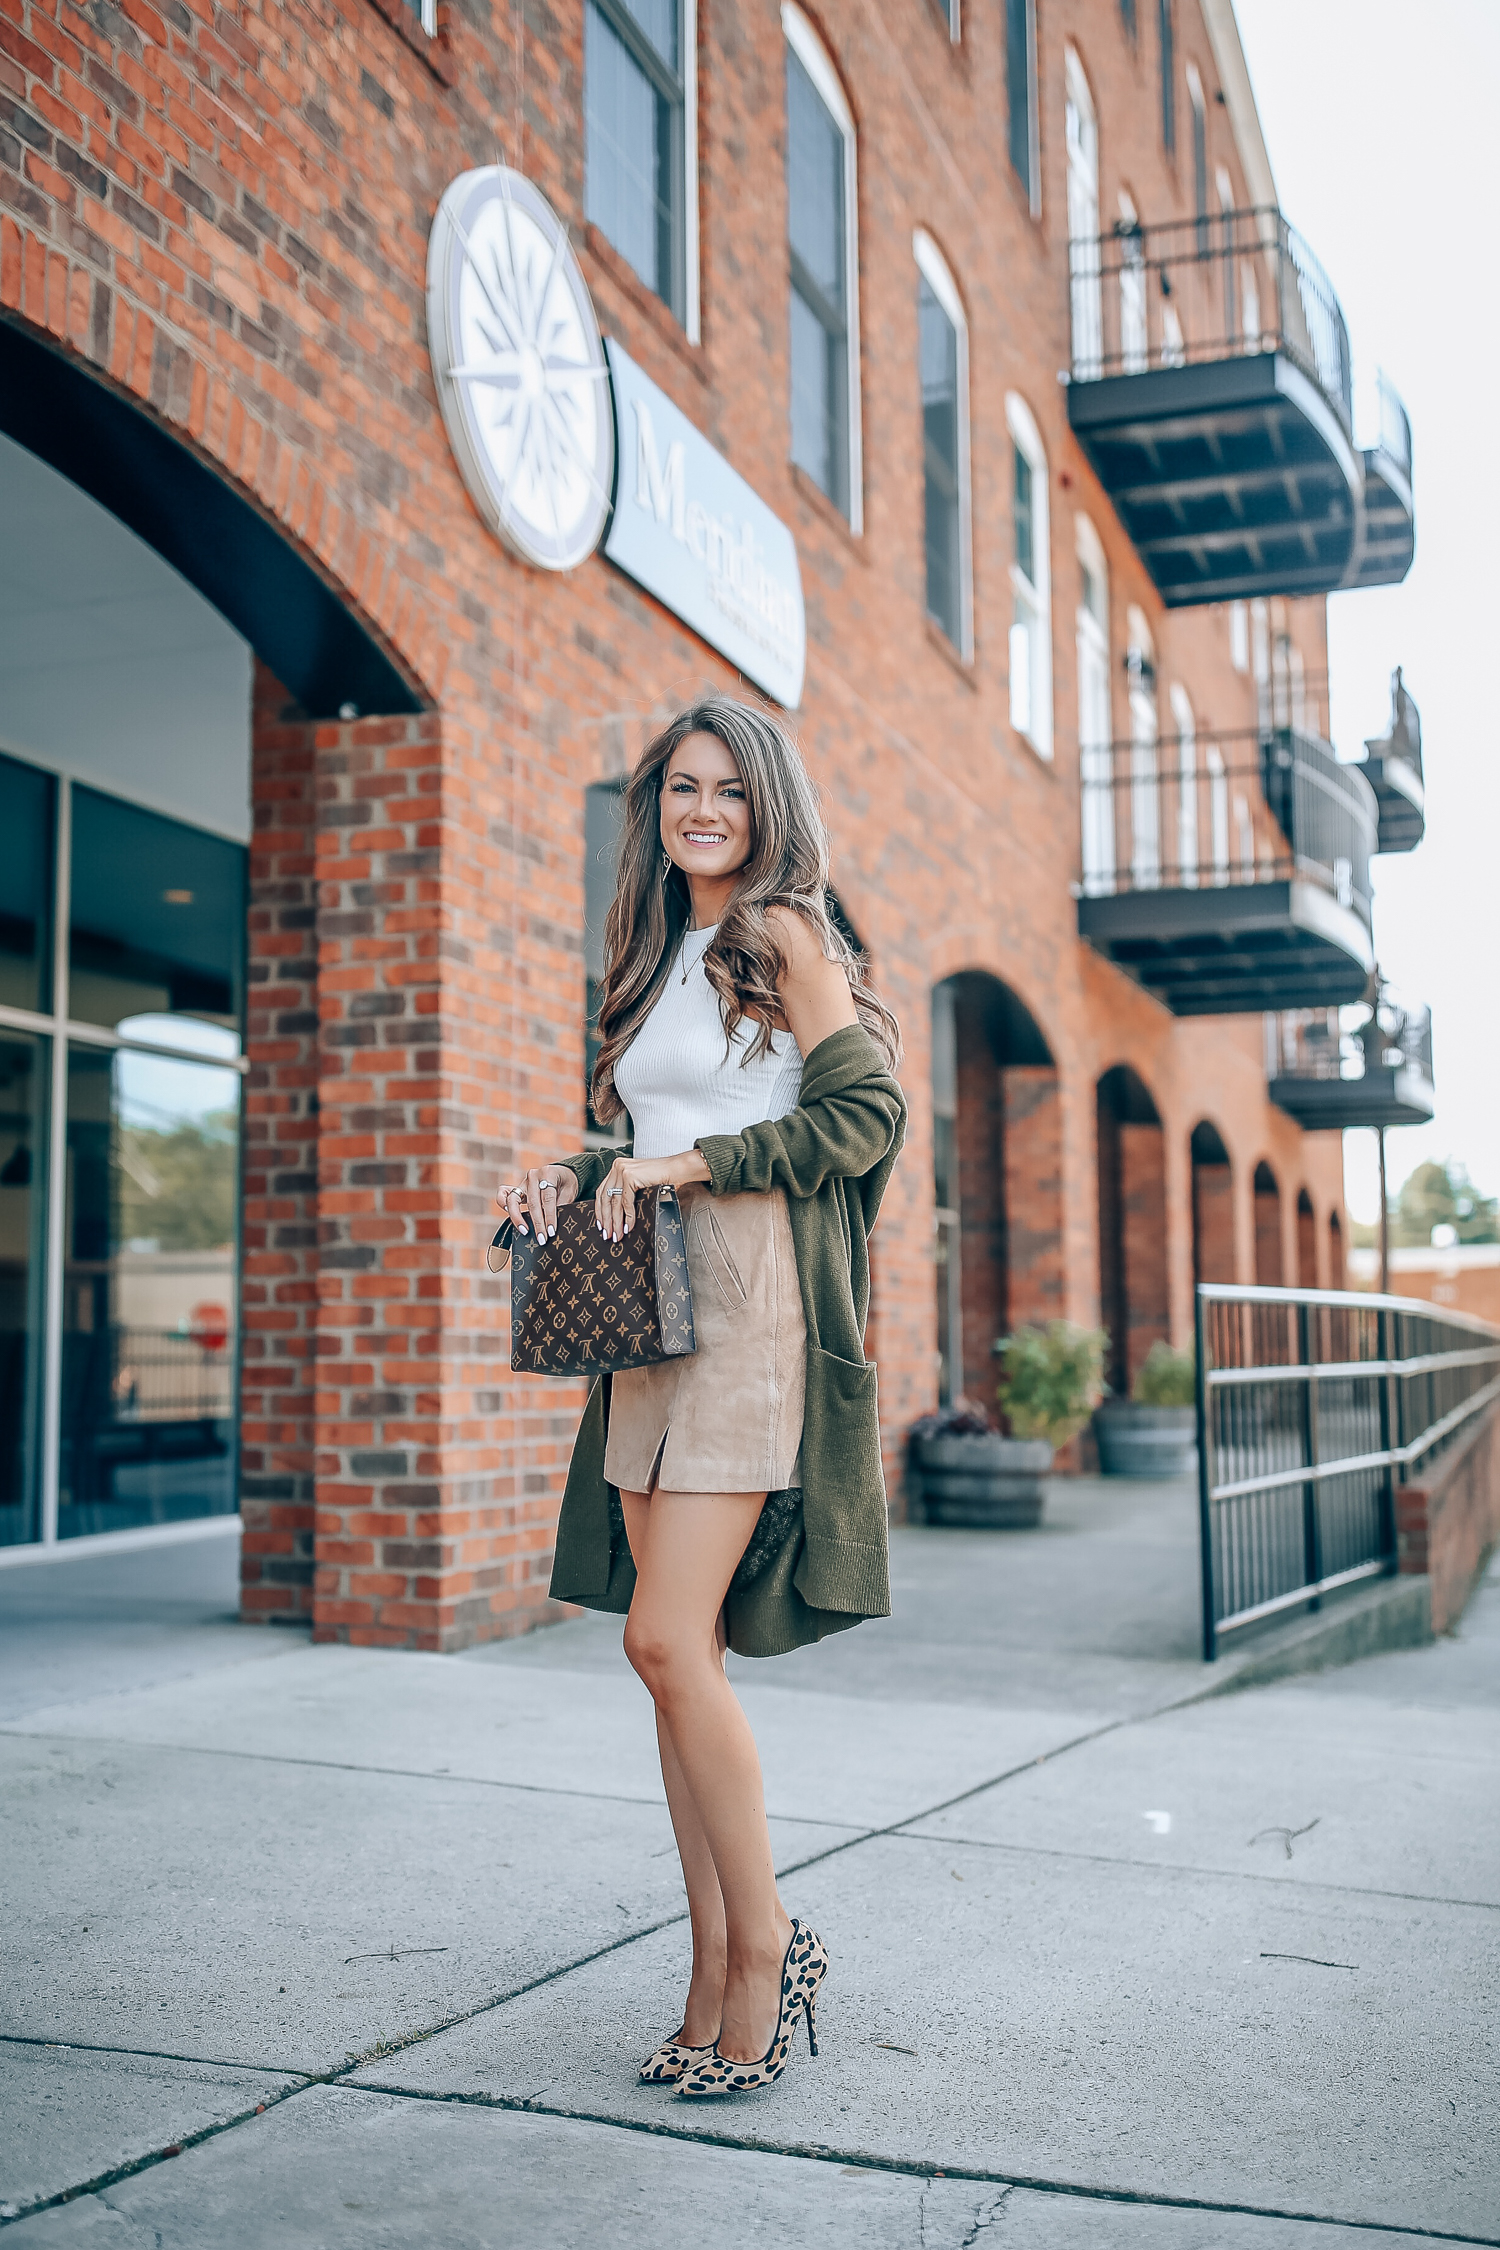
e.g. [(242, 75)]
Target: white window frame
[(953, 10), (687, 38), (1032, 596), (1145, 770), (934, 270), (1239, 636), (1135, 337), (1095, 743), (1086, 289), (815, 60)]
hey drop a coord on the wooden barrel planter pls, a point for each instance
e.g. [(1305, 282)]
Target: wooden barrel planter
[(988, 1483), (1145, 1441)]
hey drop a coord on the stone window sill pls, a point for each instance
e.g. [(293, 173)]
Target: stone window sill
[(436, 51), (665, 325), (817, 499)]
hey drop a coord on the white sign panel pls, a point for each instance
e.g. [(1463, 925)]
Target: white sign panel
[(688, 528)]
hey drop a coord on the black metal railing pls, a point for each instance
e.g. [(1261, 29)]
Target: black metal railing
[(1314, 1407), (1210, 810), (1191, 291), (1315, 1043), (163, 1374)]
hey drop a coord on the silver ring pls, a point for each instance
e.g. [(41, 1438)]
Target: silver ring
[(613, 1192)]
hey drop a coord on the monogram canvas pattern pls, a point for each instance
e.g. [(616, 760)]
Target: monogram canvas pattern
[(580, 1305)]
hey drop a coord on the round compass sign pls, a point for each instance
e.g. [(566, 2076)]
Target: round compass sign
[(520, 368)]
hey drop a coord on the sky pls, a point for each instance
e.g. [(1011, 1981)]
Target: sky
[(1378, 120)]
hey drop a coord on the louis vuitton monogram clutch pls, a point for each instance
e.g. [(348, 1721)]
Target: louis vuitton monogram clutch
[(581, 1305)]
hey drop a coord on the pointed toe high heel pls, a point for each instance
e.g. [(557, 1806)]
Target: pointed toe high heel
[(671, 2061), (802, 1974)]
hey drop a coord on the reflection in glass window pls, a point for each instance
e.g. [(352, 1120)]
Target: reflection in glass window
[(24, 1065), (149, 1291), (816, 226), (158, 917), (1020, 86), (636, 107), (26, 815)]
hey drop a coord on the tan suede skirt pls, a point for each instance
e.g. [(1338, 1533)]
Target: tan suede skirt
[(727, 1417)]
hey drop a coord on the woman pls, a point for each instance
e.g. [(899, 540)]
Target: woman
[(737, 1031)]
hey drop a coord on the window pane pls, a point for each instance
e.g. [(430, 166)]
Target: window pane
[(631, 188), (1025, 547), (24, 1064), (149, 1295), (938, 348), (815, 189), (658, 20), (26, 800), (1018, 86), (1168, 82), (820, 403), (158, 923)]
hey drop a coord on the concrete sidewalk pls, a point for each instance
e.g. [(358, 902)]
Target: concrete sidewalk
[(377, 1940)]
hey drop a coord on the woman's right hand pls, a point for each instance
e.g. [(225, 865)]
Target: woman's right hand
[(540, 1195)]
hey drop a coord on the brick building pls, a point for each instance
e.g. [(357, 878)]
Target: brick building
[(308, 774)]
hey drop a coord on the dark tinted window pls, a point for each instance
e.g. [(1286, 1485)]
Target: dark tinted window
[(1018, 85), (634, 100), (158, 917), (1168, 83), (1025, 517), (26, 800), (24, 1060)]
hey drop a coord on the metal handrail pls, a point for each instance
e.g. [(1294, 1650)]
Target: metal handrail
[(1221, 811), (1328, 1045), (1313, 1406), (1234, 282)]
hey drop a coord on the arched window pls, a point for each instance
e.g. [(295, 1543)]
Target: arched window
[(1095, 727), (822, 228), (943, 360), (1133, 337), (1031, 582), (1083, 221)]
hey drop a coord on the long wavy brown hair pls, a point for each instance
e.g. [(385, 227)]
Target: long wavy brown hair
[(788, 866)]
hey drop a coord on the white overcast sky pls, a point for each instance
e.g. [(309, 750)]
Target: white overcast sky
[(1380, 122)]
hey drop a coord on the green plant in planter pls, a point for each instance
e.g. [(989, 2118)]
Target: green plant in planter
[(1051, 1379), (1166, 1378)]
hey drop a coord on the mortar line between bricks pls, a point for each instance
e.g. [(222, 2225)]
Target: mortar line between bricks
[(911, 1834)]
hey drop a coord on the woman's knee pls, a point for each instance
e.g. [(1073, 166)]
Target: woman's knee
[(660, 1657)]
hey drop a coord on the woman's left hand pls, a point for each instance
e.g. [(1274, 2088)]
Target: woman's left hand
[(614, 1204)]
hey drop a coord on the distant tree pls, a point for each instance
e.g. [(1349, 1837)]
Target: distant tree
[(177, 1188), (1439, 1195)]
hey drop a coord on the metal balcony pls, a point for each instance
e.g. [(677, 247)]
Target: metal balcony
[(1229, 874), (1392, 764), (1211, 391), (1366, 1067)]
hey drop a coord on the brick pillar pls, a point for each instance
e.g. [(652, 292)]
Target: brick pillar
[(1143, 1208), (1335, 1252), (980, 1141), (1032, 1148), (1268, 1260), (1213, 1222), (278, 1290)]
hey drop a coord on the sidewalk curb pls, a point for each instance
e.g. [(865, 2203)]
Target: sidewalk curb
[(1394, 1613)]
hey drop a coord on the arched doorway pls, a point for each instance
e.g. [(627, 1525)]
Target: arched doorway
[(1213, 1206), (1335, 1252), (1269, 1271), (1307, 1242), (1133, 1300), (997, 1156)]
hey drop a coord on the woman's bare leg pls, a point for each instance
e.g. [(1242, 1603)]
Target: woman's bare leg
[(689, 1546), (705, 2000)]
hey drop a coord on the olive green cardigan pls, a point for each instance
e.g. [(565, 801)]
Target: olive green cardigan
[(833, 1154)]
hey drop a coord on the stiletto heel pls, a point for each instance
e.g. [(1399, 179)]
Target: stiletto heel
[(802, 1974), (671, 2061)]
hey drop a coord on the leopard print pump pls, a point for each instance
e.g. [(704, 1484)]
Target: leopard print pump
[(802, 1974), (671, 2061)]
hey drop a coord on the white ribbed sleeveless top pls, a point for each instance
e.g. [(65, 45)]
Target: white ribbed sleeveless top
[(676, 1078)]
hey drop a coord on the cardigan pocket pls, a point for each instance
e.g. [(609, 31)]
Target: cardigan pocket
[(841, 1428)]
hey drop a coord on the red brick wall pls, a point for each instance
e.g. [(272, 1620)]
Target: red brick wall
[(1268, 1252), (980, 1140), (1448, 1521), (224, 213), (1213, 1223), (279, 1260), (1143, 1207), (1307, 1245), (1033, 1195)]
